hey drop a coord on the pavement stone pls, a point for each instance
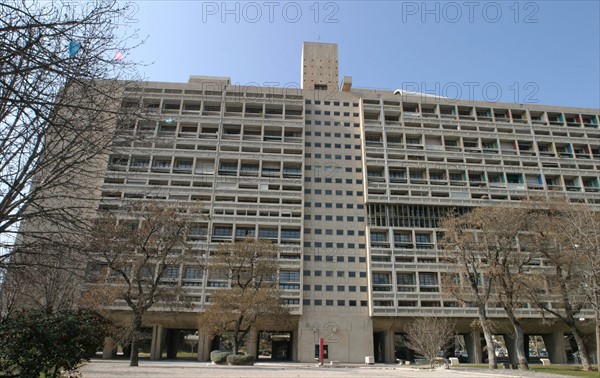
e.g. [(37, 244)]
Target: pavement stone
[(98, 368)]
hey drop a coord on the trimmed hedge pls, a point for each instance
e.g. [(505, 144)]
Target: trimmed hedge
[(240, 359), (218, 357)]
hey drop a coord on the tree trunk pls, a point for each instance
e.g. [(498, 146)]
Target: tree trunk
[(583, 352), (597, 318), (598, 344), (487, 334), (236, 332), (519, 338), (135, 339), (235, 345)]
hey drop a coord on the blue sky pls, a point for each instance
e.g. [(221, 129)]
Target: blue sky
[(545, 52)]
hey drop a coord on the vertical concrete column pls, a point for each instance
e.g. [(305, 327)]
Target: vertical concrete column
[(204, 344), (555, 345), (252, 342), (389, 341), (473, 341), (108, 350), (295, 344), (158, 337), (511, 346)]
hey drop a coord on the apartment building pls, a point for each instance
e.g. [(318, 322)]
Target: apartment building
[(351, 183)]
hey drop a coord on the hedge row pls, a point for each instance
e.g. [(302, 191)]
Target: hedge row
[(218, 357), (240, 359)]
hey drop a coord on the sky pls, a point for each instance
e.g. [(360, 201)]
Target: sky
[(544, 52)]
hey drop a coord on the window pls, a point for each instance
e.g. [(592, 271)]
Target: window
[(223, 231), (289, 276), (380, 279), (402, 237), (423, 238), (245, 232), (378, 237), (193, 273), (406, 281), (290, 234), (428, 282), (267, 233)]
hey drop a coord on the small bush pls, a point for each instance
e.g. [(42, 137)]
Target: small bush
[(36, 342), (240, 359), (218, 357)]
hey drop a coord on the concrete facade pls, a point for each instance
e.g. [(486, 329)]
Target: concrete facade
[(351, 183)]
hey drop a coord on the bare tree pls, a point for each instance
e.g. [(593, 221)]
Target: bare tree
[(470, 284), (191, 340), (568, 240), (506, 251), (51, 285), (60, 90), (253, 297), (142, 252), (430, 337)]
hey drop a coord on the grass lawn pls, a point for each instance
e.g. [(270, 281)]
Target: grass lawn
[(572, 370)]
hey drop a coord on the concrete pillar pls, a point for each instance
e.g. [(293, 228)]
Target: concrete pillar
[(389, 354), (252, 342), (555, 345), (109, 350), (473, 341), (158, 339), (509, 340), (204, 344), (294, 336)]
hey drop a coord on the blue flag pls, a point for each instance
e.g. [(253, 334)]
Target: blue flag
[(74, 48)]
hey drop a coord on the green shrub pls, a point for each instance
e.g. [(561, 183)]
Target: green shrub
[(36, 342), (218, 357), (240, 359)]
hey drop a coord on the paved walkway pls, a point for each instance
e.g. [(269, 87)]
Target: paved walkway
[(189, 369)]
